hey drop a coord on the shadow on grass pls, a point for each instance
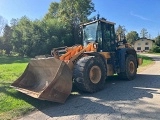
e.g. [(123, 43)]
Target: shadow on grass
[(13, 59)]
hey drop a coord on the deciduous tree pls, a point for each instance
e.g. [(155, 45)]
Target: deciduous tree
[(157, 40), (3, 22), (52, 11), (71, 13), (7, 36), (120, 32), (132, 36)]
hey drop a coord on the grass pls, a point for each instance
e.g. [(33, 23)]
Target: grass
[(14, 104), (146, 60)]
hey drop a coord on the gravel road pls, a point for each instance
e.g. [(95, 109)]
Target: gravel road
[(120, 100)]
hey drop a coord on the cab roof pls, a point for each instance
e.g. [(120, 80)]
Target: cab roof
[(101, 20)]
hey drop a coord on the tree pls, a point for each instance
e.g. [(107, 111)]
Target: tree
[(13, 22), (7, 36), (149, 36), (57, 34), (52, 11), (132, 36), (144, 33), (22, 36), (75, 11), (1, 43), (156, 46), (120, 32), (58, 28), (39, 37), (3, 22), (71, 13), (157, 40)]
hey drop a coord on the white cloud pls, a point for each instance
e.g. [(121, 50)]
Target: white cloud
[(140, 16)]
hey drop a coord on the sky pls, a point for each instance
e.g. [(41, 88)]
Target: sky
[(134, 15)]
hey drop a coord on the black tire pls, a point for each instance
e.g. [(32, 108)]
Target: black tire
[(130, 68), (89, 74)]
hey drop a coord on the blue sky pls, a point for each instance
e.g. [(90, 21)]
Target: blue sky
[(133, 14)]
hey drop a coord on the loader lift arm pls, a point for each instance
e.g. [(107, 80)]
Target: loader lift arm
[(72, 53)]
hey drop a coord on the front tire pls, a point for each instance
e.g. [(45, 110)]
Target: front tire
[(89, 74), (130, 68)]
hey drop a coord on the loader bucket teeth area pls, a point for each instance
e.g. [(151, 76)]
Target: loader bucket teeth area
[(46, 79)]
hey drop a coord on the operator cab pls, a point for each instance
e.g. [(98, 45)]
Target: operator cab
[(101, 32)]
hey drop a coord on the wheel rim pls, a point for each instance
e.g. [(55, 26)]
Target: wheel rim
[(131, 67), (95, 74)]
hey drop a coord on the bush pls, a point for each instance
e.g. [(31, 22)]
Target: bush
[(155, 49)]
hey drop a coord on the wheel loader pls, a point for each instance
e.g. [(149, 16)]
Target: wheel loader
[(87, 65)]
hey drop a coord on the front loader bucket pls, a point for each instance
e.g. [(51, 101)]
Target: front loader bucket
[(46, 79)]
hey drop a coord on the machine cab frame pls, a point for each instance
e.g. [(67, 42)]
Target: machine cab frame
[(101, 32)]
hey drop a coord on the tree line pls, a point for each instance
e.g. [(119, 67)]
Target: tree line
[(59, 27)]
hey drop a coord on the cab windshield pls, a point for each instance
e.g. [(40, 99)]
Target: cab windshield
[(89, 32)]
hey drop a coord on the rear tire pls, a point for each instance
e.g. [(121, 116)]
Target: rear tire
[(130, 68), (89, 74)]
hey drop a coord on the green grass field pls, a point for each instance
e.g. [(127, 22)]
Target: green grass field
[(14, 104)]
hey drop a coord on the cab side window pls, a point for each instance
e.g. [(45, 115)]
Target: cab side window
[(108, 37)]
